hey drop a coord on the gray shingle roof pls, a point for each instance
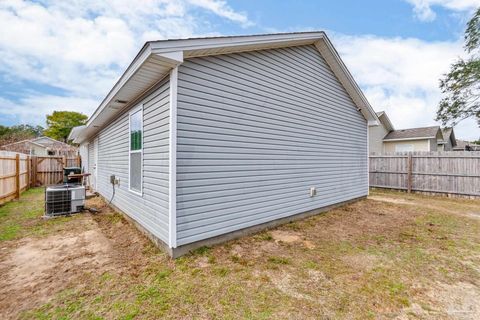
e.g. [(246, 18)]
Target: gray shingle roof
[(425, 132)]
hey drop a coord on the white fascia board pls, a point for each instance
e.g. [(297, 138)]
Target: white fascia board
[(75, 132), (385, 120), (172, 160), (189, 46), (390, 125), (344, 76), (408, 139), (132, 68), (173, 57)]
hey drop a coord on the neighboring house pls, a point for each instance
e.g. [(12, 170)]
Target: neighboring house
[(415, 139), (210, 138), (383, 138), (449, 141), (377, 133), (463, 145), (42, 146)]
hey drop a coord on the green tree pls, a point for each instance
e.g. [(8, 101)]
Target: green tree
[(461, 85), (18, 133), (60, 123)]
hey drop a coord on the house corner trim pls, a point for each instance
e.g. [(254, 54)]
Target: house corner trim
[(172, 167)]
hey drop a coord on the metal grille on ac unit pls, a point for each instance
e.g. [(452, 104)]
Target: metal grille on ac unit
[(64, 199)]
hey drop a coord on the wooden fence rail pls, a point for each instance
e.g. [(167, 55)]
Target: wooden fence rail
[(447, 172), (18, 172)]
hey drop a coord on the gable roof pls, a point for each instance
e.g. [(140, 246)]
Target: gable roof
[(413, 133), (51, 144), (157, 58), (385, 120), (449, 134), (24, 141)]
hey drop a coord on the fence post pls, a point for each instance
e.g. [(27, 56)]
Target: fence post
[(409, 172), (64, 161), (79, 161), (17, 176), (27, 164), (34, 161)]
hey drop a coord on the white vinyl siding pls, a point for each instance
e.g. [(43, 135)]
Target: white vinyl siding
[(150, 209), (255, 131)]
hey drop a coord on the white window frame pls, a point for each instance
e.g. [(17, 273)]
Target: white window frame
[(135, 110)]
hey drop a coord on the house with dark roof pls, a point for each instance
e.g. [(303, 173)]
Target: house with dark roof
[(384, 138), (414, 139)]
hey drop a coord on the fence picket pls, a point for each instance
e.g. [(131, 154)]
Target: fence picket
[(446, 172), (18, 172)]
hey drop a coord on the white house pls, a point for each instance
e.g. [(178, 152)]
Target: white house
[(210, 138)]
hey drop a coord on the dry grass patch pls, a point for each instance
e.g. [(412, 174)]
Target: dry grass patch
[(370, 259)]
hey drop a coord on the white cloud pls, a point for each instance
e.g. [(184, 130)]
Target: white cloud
[(82, 47), (401, 76), (424, 12), (33, 108), (223, 10)]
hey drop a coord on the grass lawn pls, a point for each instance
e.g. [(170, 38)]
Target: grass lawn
[(392, 256), (21, 218)]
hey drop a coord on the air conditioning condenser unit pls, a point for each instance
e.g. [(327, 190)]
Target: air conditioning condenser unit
[(64, 199)]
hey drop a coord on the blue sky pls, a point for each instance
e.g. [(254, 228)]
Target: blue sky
[(59, 55)]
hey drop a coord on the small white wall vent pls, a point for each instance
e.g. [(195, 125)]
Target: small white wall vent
[(313, 191)]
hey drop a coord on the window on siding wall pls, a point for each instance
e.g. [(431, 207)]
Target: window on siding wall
[(136, 148)]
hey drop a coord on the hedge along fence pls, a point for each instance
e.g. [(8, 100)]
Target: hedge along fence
[(18, 172), (454, 173)]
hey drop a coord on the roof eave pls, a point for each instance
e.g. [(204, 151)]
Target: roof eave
[(164, 55), (406, 139), (333, 59), (386, 122)]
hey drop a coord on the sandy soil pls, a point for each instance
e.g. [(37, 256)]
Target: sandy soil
[(35, 269)]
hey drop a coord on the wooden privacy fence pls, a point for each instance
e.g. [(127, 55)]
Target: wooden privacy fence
[(18, 172), (49, 170), (447, 172), (14, 175)]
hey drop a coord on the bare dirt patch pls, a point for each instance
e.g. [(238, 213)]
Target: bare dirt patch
[(37, 268), (288, 236), (390, 200), (34, 269), (421, 203), (460, 300), (363, 262), (295, 285)]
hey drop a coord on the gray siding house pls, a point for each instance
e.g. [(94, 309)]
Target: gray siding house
[(210, 138), (377, 133)]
